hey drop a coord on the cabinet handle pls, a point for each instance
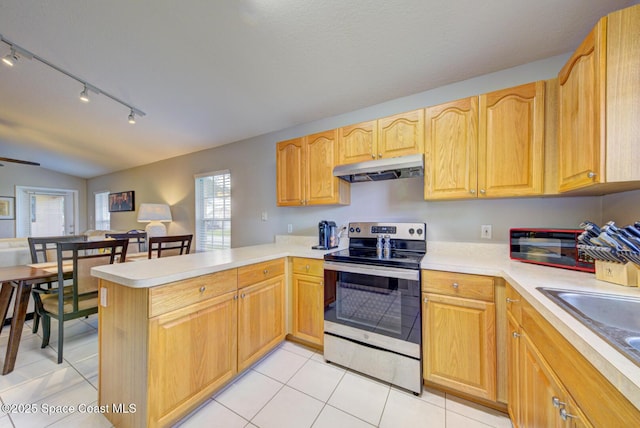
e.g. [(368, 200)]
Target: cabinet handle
[(301, 201), (556, 402), (308, 267), (591, 174), (515, 334), (425, 300), (243, 295), (482, 191), (266, 271), (472, 191), (379, 155), (455, 285), (564, 415), (235, 297), (373, 155), (202, 289), (512, 300)]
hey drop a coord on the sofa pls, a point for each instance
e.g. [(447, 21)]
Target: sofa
[(14, 252)]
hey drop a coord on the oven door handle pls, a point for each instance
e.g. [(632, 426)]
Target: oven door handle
[(388, 272)]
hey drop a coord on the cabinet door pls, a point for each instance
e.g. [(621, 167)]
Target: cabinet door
[(321, 187), (459, 340), (451, 142), (401, 134), (581, 118), (511, 142), (290, 172), (513, 370), (308, 308), (357, 143), (260, 320), (192, 352)]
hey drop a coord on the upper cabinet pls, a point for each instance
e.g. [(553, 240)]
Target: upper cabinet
[(397, 135), (304, 172), (486, 146), (598, 95)]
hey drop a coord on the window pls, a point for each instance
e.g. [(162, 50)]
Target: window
[(103, 218), (213, 211)]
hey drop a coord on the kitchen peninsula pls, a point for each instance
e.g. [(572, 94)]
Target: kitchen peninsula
[(162, 320)]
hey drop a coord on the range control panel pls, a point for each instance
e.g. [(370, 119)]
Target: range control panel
[(413, 231)]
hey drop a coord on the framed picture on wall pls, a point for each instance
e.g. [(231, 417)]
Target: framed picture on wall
[(121, 201), (7, 208)]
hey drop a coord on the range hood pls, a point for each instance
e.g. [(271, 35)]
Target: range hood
[(382, 169)]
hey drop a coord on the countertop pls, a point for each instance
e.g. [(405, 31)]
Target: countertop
[(473, 258)]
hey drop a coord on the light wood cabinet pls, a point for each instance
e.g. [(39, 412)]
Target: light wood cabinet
[(398, 135), (193, 353), (304, 172), (597, 120), (308, 300), (459, 333), (451, 150), (543, 365), (487, 146)]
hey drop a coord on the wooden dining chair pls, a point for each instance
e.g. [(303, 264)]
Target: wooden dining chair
[(135, 236), (43, 250), (163, 246), (80, 297)]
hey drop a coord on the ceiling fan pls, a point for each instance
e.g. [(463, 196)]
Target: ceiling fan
[(18, 161)]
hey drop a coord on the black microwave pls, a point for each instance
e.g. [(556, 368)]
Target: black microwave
[(549, 247)]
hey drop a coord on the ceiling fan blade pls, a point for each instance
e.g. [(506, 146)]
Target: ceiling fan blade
[(19, 161)]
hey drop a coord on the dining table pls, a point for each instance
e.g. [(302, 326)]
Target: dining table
[(21, 280)]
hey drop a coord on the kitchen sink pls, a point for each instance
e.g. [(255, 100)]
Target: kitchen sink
[(614, 318)]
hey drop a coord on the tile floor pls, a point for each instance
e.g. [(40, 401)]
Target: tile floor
[(290, 387)]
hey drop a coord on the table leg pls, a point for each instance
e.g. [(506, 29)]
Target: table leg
[(17, 323), (5, 298)]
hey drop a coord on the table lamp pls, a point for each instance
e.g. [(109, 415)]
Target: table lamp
[(154, 214)]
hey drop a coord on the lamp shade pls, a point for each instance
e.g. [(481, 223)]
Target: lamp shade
[(154, 212)]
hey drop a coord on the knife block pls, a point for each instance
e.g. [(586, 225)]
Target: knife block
[(618, 273)]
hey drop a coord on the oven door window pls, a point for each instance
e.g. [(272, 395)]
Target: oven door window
[(387, 306)]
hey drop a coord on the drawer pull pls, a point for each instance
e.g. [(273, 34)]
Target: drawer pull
[(455, 285), (243, 295), (235, 297), (266, 271), (202, 289), (515, 334), (512, 300), (564, 415), (308, 267), (556, 402)]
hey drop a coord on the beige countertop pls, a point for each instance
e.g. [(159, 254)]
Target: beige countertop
[(474, 258)]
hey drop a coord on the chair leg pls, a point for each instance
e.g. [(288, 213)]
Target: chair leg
[(36, 321), (60, 338), (46, 330)]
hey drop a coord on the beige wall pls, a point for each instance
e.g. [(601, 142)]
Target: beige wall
[(12, 175), (252, 166)]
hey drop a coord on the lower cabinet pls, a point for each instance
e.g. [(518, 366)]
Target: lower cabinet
[(459, 333), (192, 350), (260, 320), (550, 384), (308, 300), (166, 349)]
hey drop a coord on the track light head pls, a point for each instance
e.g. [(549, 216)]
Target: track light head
[(84, 95), (132, 117), (11, 58)]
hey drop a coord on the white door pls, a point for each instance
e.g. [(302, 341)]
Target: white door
[(46, 212)]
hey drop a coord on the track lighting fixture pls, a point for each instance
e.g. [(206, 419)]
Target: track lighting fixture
[(11, 58), (17, 52), (84, 95)]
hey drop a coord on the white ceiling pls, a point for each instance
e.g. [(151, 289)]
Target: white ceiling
[(209, 73)]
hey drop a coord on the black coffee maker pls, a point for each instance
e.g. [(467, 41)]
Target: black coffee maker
[(327, 235)]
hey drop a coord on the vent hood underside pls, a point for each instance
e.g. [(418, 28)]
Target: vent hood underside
[(382, 169)]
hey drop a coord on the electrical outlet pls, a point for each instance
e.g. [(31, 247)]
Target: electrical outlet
[(289, 228), (264, 216), (485, 231)]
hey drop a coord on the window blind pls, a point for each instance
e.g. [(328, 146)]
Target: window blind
[(213, 210), (103, 218)]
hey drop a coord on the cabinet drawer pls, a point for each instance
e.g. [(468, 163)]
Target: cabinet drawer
[(313, 267), (255, 273), (458, 284), (177, 295)]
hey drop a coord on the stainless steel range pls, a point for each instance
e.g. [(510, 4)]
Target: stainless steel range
[(372, 320)]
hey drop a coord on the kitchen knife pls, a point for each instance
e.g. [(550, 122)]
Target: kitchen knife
[(608, 240), (591, 226)]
